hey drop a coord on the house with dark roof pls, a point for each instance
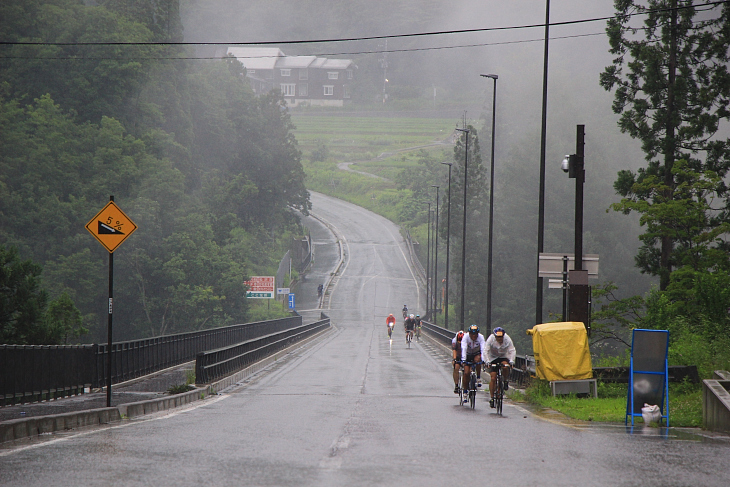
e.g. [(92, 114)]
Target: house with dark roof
[(309, 80)]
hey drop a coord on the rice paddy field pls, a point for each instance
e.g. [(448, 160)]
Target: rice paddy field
[(382, 146)]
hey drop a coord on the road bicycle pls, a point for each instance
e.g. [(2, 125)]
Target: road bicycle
[(499, 388), (409, 337), (418, 333), (390, 331), (469, 394)]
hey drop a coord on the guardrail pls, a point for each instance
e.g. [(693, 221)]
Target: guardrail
[(33, 373), (216, 364)]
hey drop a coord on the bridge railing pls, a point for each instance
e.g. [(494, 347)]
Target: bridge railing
[(32, 373), (213, 365)]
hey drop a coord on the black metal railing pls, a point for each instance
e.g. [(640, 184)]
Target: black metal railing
[(32, 373), (216, 364)]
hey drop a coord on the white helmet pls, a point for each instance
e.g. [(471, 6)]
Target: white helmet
[(412, 316)]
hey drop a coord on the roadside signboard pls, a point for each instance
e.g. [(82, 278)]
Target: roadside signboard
[(291, 301), (260, 287), (282, 290), (111, 226)]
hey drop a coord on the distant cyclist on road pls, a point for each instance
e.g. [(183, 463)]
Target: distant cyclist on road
[(500, 350), (473, 348), (405, 311), (456, 353), (418, 327), (390, 321), (409, 325)]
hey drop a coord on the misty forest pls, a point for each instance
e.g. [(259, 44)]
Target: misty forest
[(139, 99)]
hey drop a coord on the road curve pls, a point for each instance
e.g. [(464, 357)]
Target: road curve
[(357, 409)]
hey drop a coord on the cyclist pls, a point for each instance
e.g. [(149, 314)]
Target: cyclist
[(405, 311), (456, 353), (500, 350), (390, 321), (418, 326), (410, 325), (473, 348)]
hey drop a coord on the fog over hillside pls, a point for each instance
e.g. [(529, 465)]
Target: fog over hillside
[(451, 64)]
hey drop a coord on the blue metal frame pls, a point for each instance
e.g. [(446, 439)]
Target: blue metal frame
[(630, 395)]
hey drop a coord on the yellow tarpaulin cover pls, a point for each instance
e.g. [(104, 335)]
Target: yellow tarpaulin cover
[(561, 351)]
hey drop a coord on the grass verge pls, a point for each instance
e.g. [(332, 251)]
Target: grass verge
[(685, 403)]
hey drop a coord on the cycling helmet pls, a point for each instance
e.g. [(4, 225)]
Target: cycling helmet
[(418, 316), (391, 314), (459, 335), (474, 329), (499, 331)]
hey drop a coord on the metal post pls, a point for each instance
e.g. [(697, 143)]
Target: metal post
[(448, 249), (565, 287), (491, 206), (541, 197), (109, 329), (436, 255), (463, 227), (428, 259), (580, 175)]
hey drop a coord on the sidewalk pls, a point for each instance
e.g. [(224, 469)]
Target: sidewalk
[(144, 389)]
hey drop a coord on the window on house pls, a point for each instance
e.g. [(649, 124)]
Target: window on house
[(287, 89), (346, 91), (349, 74), (285, 72), (251, 71), (303, 74), (303, 89), (333, 75), (329, 90)]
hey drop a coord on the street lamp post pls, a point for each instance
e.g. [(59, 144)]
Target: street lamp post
[(463, 227), (428, 259), (491, 206), (448, 248), (436, 254)]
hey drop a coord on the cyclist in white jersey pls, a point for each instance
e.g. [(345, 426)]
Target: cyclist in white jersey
[(473, 348), (500, 350)]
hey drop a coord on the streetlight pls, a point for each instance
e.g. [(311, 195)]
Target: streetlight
[(448, 248), (463, 227), (491, 206), (428, 258), (436, 253)]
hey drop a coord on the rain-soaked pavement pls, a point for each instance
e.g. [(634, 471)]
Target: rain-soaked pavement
[(355, 408)]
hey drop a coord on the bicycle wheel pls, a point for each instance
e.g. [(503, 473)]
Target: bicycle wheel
[(473, 391), (499, 394), (461, 389)]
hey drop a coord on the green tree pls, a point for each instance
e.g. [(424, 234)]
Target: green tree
[(22, 300), (672, 89), (63, 320)]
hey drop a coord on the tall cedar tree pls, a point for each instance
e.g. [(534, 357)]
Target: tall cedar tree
[(672, 89)]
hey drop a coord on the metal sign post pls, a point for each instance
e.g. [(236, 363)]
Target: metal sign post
[(649, 373), (110, 227)]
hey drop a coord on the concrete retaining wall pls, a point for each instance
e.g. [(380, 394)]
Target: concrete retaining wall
[(716, 402)]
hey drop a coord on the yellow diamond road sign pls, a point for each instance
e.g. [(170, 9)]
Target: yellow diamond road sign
[(111, 226)]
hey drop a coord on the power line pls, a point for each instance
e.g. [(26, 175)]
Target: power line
[(349, 53), (353, 39)]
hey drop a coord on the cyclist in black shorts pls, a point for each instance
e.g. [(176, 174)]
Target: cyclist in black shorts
[(410, 325)]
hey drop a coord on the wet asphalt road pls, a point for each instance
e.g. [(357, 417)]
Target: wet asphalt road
[(357, 409)]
